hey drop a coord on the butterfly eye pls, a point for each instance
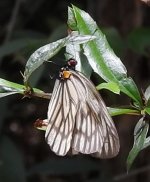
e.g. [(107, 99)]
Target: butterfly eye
[(72, 62)]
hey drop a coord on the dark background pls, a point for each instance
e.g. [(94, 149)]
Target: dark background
[(26, 25)]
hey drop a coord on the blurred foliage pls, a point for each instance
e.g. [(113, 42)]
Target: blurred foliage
[(139, 41), (23, 154)]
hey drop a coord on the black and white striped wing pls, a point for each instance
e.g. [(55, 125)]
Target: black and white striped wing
[(94, 130), (78, 119), (61, 117)]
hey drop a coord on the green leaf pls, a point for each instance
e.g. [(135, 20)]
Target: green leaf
[(41, 55), (147, 110), (140, 133), (73, 51), (11, 162), (71, 19), (115, 40), (99, 49), (147, 93), (102, 58), (120, 111), (7, 83), (9, 88), (44, 53), (146, 143), (113, 87), (128, 86)]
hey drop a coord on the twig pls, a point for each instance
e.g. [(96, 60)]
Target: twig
[(42, 95)]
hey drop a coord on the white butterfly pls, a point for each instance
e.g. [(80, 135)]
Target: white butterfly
[(78, 119)]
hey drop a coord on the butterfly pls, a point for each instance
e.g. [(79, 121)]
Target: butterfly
[(78, 120)]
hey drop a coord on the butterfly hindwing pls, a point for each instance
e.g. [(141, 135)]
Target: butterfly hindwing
[(94, 130)]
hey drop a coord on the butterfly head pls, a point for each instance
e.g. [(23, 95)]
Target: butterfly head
[(65, 72), (72, 63)]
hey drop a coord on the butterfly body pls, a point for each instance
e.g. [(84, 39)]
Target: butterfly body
[(78, 119)]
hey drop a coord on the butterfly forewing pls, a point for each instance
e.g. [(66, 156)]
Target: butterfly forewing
[(61, 117), (79, 120)]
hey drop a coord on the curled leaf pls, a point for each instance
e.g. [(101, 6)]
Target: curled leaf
[(44, 53), (140, 133)]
